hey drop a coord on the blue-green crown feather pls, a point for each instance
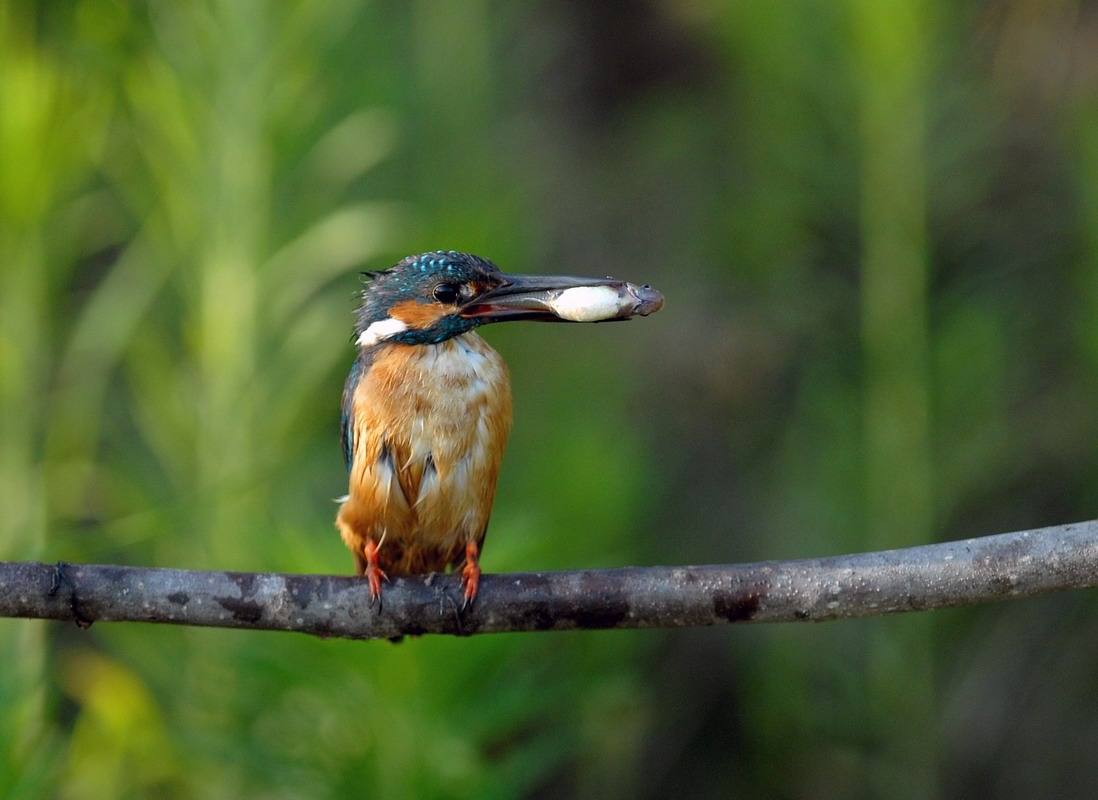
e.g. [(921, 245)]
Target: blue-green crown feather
[(414, 278)]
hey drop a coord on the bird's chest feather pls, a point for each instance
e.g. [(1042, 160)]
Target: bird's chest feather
[(430, 423)]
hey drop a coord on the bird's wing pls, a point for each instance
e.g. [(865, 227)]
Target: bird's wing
[(346, 418), (386, 444)]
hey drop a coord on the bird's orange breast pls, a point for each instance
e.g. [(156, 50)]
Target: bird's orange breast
[(430, 423)]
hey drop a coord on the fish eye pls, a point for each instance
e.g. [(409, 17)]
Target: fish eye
[(447, 293)]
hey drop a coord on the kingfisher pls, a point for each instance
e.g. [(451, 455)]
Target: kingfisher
[(426, 409)]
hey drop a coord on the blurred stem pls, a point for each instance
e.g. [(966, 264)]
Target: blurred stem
[(237, 207), (29, 90), (32, 93), (102, 329), (890, 47), (22, 358), (894, 280), (22, 500), (1086, 142), (450, 130)]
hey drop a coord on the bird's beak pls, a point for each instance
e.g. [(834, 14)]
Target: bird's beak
[(562, 298)]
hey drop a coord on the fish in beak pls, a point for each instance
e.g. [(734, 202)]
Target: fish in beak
[(562, 298)]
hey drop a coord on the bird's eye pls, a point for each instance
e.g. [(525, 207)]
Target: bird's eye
[(446, 293)]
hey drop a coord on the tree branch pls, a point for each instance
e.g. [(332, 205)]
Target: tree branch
[(972, 571)]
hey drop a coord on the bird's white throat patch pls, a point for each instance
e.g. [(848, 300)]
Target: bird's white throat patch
[(380, 331)]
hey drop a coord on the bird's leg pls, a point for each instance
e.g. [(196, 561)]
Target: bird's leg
[(374, 573), (470, 574)]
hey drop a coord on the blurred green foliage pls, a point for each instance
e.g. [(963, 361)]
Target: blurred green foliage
[(876, 224)]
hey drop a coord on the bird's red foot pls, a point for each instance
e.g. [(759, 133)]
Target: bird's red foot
[(470, 574), (374, 573)]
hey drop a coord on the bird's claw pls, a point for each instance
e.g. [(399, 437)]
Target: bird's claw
[(374, 573), (470, 575), (374, 576), (470, 581)]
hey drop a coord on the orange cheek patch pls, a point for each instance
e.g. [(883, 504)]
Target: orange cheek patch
[(479, 287), (417, 315)]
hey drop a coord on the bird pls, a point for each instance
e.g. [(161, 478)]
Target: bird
[(427, 409)]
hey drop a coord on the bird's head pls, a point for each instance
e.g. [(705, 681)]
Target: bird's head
[(429, 298)]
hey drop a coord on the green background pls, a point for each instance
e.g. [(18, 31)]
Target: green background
[(876, 226)]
